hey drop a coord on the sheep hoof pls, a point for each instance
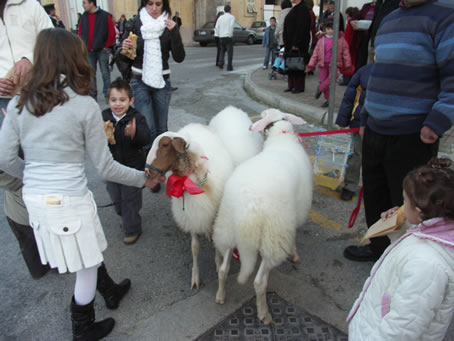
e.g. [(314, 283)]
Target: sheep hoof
[(195, 284), (267, 320), (295, 259)]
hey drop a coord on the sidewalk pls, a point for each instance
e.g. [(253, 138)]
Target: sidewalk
[(271, 92)]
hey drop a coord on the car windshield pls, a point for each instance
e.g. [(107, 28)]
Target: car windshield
[(257, 24), (209, 24)]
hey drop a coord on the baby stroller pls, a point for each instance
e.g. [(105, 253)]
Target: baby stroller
[(278, 66)]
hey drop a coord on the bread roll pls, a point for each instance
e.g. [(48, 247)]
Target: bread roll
[(131, 53), (109, 129), (400, 217)]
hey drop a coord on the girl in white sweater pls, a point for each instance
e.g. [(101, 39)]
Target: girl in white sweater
[(56, 123), (410, 292)]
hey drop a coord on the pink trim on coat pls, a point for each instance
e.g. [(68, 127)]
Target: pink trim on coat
[(438, 230)]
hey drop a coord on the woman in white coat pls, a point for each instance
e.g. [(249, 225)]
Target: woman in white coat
[(57, 123), (409, 295)]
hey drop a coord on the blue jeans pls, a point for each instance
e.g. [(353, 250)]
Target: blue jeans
[(272, 52), (3, 104), (153, 104), (101, 57)]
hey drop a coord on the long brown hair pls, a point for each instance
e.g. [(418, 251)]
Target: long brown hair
[(57, 53)]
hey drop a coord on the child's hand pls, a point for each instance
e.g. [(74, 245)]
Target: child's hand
[(127, 44), (130, 129), (385, 215)]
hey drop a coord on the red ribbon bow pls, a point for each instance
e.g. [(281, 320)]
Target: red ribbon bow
[(177, 185)]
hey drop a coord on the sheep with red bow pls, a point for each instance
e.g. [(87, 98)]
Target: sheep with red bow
[(201, 159), (265, 200)]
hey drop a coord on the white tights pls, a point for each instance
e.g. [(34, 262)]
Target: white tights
[(85, 288)]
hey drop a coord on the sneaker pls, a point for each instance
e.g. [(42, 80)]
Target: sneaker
[(131, 239), (361, 253), (264, 67), (347, 195), (325, 105), (318, 93)]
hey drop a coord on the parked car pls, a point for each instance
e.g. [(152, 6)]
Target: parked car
[(205, 35), (259, 27)]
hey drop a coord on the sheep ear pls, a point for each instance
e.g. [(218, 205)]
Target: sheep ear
[(260, 125), (179, 144), (293, 119)]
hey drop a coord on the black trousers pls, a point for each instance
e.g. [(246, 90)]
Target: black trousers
[(226, 45), (386, 160), (27, 243), (218, 49)]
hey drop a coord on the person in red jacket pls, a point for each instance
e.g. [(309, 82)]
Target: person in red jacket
[(97, 30)]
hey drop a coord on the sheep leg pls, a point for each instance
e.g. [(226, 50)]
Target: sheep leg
[(218, 260), (222, 276), (260, 285), (294, 257), (195, 282)]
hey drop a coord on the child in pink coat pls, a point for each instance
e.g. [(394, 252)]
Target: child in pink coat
[(322, 57)]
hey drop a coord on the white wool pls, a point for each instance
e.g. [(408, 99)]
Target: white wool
[(200, 210), (232, 126), (265, 200)]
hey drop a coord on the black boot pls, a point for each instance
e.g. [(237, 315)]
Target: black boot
[(112, 292), (83, 323)]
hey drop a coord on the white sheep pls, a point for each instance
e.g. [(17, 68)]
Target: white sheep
[(265, 200), (199, 161)]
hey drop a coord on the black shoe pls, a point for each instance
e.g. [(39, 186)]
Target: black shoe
[(229, 68), (347, 195), (294, 91), (318, 93), (83, 323), (288, 90), (325, 105), (174, 89), (156, 188), (112, 292), (361, 253), (221, 66)]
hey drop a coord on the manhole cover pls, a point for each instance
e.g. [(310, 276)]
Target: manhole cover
[(291, 323)]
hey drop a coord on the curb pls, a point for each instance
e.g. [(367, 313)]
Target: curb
[(306, 111)]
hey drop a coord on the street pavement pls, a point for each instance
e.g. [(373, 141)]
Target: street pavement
[(161, 305)]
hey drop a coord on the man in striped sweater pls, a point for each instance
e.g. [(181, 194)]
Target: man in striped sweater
[(409, 105)]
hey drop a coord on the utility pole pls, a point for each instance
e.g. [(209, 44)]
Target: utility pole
[(333, 80)]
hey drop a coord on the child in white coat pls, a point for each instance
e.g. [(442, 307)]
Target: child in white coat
[(410, 292)]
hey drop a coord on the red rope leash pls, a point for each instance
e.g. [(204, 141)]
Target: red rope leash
[(330, 132), (355, 212)]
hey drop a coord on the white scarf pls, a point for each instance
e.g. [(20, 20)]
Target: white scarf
[(151, 30)]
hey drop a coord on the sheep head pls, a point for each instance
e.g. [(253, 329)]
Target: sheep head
[(166, 154), (275, 118)]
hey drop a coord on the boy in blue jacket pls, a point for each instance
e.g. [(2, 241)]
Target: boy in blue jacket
[(348, 115), (270, 43)]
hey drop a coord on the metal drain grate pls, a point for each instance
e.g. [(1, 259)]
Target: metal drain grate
[(291, 323)]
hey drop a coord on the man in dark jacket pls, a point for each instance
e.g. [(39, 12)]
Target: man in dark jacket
[(52, 13), (97, 30), (297, 37)]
